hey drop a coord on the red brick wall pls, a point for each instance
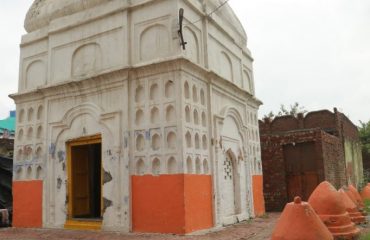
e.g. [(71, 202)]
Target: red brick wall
[(323, 119), (334, 163), (326, 128), (273, 164), (330, 162), (335, 123)]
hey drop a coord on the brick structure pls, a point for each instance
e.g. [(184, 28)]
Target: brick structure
[(300, 152)]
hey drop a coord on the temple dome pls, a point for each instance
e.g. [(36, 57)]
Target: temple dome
[(42, 12), (227, 14)]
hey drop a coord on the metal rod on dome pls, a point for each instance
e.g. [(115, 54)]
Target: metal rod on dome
[(181, 18)]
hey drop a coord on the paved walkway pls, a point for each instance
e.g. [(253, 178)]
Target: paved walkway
[(256, 229)]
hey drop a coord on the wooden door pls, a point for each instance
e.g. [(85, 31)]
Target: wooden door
[(81, 181), (301, 170)]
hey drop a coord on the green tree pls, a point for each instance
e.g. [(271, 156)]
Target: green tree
[(364, 131), (293, 110)]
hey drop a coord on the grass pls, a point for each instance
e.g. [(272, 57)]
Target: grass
[(367, 205), (366, 236)]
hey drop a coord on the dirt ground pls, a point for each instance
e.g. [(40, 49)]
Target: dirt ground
[(256, 229)]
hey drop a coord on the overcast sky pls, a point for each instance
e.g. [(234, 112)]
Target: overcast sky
[(315, 52)]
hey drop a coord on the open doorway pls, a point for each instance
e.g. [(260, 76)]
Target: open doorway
[(84, 180)]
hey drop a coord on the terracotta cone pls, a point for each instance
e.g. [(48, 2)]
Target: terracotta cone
[(351, 208), (298, 221), (328, 204), (357, 195), (354, 199), (365, 194)]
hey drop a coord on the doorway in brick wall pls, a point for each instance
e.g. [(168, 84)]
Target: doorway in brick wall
[(301, 169)]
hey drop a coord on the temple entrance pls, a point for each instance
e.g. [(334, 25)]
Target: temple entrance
[(84, 183)]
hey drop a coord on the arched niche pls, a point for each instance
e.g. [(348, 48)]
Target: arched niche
[(202, 97), (139, 94), (39, 132), (188, 139), (204, 142), (20, 135), (40, 112), (171, 165), (170, 89), (196, 117), (198, 166), (39, 173), (29, 172), (19, 155), (170, 114), (171, 140), (35, 74), (186, 90), (247, 82), (204, 120), (195, 94), (154, 92), (30, 114), (139, 118), (205, 166), (86, 59), (154, 115), (156, 166), (140, 167), (197, 141), (39, 152), (226, 68), (19, 173), (156, 142), (28, 153), (30, 133), (140, 143), (189, 165), (192, 46), (187, 114), (154, 42)]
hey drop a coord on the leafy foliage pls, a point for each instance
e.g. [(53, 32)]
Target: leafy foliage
[(293, 110), (364, 131)]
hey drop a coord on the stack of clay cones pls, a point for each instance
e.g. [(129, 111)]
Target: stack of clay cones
[(357, 195), (365, 193), (356, 198), (328, 204), (299, 221), (351, 208)]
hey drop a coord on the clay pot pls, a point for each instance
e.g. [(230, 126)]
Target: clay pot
[(365, 193), (351, 208), (328, 204), (298, 221)]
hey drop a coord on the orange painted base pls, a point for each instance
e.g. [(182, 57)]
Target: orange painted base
[(258, 199), (179, 203), (27, 204)]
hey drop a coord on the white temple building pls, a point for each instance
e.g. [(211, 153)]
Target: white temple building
[(120, 128)]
